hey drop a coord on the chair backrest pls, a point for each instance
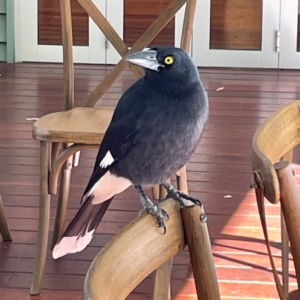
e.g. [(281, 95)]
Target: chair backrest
[(132, 254), (278, 135), (272, 151), (100, 20), (4, 230), (67, 40)]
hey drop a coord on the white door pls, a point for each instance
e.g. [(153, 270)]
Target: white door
[(99, 49), (116, 19), (289, 55), (29, 49), (237, 33)]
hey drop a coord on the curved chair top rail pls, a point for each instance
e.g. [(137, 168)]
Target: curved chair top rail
[(279, 134), (131, 255)]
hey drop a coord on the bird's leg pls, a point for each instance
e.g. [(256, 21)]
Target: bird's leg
[(179, 196), (152, 208)]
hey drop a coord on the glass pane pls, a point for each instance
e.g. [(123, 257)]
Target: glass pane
[(139, 15), (236, 24), (49, 26)]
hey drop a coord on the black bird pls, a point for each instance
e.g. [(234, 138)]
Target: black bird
[(155, 128)]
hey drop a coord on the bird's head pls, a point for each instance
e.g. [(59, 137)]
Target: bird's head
[(164, 60)]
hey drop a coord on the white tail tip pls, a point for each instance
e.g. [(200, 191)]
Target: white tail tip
[(72, 244)]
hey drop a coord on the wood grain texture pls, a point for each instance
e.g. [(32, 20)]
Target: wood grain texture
[(67, 42), (62, 201), (290, 204), (274, 179), (236, 25), (132, 262), (188, 28), (49, 23), (198, 241), (4, 229), (110, 33), (151, 32), (84, 125), (162, 281), (265, 151), (220, 167), (138, 16), (43, 221)]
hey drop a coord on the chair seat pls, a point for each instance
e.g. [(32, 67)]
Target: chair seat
[(78, 125)]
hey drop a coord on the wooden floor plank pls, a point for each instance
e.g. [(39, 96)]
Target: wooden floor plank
[(219, 174)]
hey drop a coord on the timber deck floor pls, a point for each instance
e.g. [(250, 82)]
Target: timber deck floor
[(219, 174)]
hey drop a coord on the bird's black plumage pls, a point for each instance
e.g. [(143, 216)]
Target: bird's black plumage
[(155, 129)]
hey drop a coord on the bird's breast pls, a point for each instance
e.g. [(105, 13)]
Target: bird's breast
[(169, 131)]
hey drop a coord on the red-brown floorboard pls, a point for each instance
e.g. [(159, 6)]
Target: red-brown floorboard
[(219, 174)]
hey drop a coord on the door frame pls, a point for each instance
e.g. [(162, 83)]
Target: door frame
[(116, 18), (99, 50), (289, 58), (26, 37), (266, 58)]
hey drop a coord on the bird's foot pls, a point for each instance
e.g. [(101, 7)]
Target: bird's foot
[(157, 212), (153, 209), (179, 196)]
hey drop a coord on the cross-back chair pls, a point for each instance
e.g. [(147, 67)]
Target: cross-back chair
[(79, 128), (272, 154), (121, 265), (4, 230)]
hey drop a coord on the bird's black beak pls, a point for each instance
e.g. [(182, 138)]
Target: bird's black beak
[(146, 59)]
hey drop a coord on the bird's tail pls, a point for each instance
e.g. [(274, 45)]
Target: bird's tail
[(80, 231)]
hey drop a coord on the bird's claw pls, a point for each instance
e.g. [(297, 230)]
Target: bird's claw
[(187, 197), (161, 222), (175, 195), (179, 196), (158, 213)]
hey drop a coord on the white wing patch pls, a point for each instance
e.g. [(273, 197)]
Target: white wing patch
[(106, 187), (107, 160)]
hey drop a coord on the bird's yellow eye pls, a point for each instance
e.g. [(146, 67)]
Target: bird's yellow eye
[(169, 60)]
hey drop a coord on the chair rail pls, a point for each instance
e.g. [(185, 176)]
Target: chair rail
[(139, 249)]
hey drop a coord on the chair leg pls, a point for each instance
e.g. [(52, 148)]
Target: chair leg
[(43, 224), (161, 289), (162, 277), (290, 205), (4, 230), (199, 245), (155, 192), (55, 147), (182, 183), (285, 256), (62, 202), (285, 240), (76, 159), (187, 30)]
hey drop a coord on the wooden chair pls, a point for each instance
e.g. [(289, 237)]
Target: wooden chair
[(272, 153), (121, 265), (83, 127), (4, 230)]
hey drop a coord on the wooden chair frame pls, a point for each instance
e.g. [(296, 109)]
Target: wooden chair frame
[(52, 161), (4, 230), (140, 248), (272, 153)]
